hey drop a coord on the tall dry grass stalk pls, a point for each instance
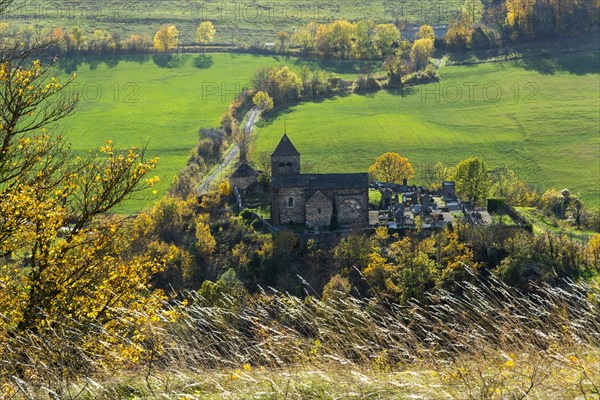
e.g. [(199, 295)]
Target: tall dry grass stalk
[(491, 341)]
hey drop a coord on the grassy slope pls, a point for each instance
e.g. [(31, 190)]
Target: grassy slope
[(236, 22), (550, 139), (135, 103)]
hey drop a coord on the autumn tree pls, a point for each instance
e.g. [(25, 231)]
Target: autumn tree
[(263, 101), (205, 33), (432, 175), (336, 289), (391, 167), (284, 39), (386, 38), (425, 32), (68, 282), (282, 84), (167, 38), (472, 180), (304, 38), (515, 192), (421, 51), (459, 34), (396, 68), (336, 38)]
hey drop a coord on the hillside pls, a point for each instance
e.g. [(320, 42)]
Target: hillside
[(253, 23), (536, 116)]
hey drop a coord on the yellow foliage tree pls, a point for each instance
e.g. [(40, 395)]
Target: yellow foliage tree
[(205, 32), (71, 296), (421, 51), (425, 32), (391, 167), (167, 38), (263, 101), (594, 250)]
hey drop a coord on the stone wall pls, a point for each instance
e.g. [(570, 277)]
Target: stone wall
[(291, 165), (319, 210), (287, 214), (242, 182), (352, 207)]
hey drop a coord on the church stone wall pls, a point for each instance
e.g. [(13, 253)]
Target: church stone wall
[(295, 213), (352, 207), (319, 210)]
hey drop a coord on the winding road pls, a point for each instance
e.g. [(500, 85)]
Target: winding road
[(217, 172)]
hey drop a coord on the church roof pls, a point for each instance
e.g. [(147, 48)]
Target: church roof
[(244, 170), (322, 181), (285, 147)]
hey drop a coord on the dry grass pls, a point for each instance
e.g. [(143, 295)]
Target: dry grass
[(490, 342)]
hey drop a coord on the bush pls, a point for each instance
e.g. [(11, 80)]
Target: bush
[(365, 83)]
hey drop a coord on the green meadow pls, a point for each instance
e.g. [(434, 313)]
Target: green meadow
[(161, 102), (237, 22), (539, 117)]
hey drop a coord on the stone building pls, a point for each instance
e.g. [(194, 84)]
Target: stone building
[(244, 178), (318, 201)]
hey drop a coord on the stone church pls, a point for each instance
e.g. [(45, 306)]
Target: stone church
[(319, 201)]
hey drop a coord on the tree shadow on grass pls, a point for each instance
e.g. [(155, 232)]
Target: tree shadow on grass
[(279, 112), (402, 92), (579, 63), (339, 66), (72, 63), (203, 61), (167, 60)]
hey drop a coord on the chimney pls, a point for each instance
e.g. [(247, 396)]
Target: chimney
[(404, 182)]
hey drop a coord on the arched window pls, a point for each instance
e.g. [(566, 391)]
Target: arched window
[(289, 164), (282, 164), (290, 202)]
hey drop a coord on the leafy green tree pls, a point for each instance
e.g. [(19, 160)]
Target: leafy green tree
[(353, 251), (386, 38), (363, 45), (472, 10), (472, 180), (553, 201)]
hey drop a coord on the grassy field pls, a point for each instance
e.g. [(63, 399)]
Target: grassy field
[(539, 117), (253, 23), (161, 103)]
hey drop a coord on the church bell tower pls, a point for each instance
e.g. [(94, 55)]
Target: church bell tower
[(285, 160)]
